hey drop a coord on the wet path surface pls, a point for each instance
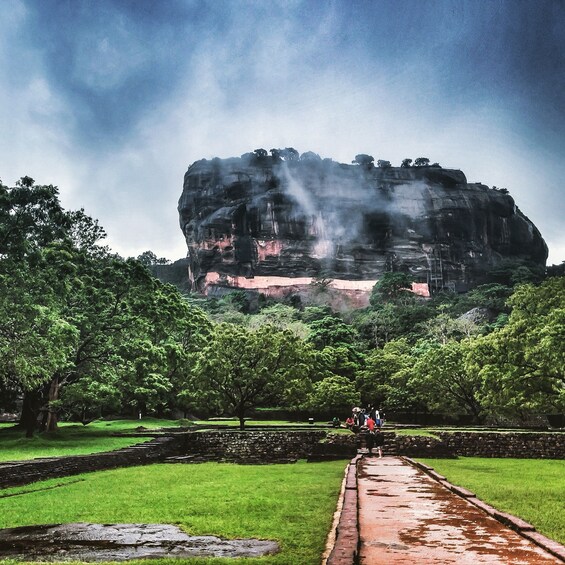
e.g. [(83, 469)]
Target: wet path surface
[(407, 517), (120, 542)]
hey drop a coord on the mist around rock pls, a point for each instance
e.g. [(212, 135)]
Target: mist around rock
[(286, 216)]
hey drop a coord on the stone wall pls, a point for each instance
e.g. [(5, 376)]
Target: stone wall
[(421, 446), (263, 446), (16, 473), (527, 445), (271, 446), (279, 446)]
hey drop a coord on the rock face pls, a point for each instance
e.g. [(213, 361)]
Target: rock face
[(263, 222)]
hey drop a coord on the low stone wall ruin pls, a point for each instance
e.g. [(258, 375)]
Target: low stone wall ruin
[(283, 446), (265, 446), (15, 473), (521, 445), (526, 445)]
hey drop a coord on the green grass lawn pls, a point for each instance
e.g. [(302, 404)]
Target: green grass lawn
[(414, 432), (252, 422), (76, 439), (73, 439), (292, 504), (533, 489)]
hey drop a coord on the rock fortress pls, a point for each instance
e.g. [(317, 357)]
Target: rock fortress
[(285, 224)]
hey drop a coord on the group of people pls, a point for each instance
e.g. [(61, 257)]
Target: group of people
[(368, 421)]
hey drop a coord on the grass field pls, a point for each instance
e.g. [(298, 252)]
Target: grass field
[(292, 504), (533, 489), (76, 439), (415, 432), (73, 439)]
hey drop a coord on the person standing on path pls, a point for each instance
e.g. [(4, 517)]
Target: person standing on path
[(370, 434), (379, 439)]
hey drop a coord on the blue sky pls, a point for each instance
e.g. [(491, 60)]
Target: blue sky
[(112, 100)]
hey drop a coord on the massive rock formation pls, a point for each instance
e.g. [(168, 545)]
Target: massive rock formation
[(264, 222)]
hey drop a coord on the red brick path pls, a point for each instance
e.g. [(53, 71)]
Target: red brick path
[(405, 517)]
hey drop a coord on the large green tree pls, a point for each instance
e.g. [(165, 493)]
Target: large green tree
[(134, 331), (392, 287), (74, 315), (385, 379), (36, 338), (240, 369), (446, 382), (523, 363), (338, 347), (335, 395)]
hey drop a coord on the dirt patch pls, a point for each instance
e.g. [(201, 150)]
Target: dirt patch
[(120, 542)]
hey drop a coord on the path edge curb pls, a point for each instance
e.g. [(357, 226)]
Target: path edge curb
[(520, 526), (345, 550)]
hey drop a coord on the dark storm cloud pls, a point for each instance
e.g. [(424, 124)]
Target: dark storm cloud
[(113, 99), (477, 49), (111, 61), (115, 60)]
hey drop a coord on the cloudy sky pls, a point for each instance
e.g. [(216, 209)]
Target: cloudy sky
[(112, 100)]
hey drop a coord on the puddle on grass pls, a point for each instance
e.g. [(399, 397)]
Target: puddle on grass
[(120, 542)]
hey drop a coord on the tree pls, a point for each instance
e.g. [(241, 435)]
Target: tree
[(406, 163), (443, 328), (523, 363), (73, 314), (510, 272), (36, 338), (331, 331), (148, 258), (392, 287), (31, 217), (240, 369), (260, 153), (35, 343), (310, 156), (491, 296), (444, 379), (380, 325), (334, 395), (383, 164), (385, 380), (281, 317), (556, 270), (288, 154), (321, 283), (338, 347), (421, 162), (90, 397), (312, 313), (364, 160), (343, 360)]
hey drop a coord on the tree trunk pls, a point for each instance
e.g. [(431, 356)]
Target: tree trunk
[(51, 423), (241, 416), (30, 409)]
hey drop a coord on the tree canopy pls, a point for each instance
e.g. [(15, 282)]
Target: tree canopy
[(240, 369), (84, 332)]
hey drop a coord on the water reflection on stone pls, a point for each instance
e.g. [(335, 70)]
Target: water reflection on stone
[(120, 542)]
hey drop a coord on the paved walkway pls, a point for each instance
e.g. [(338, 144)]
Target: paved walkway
[(407, 517)]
